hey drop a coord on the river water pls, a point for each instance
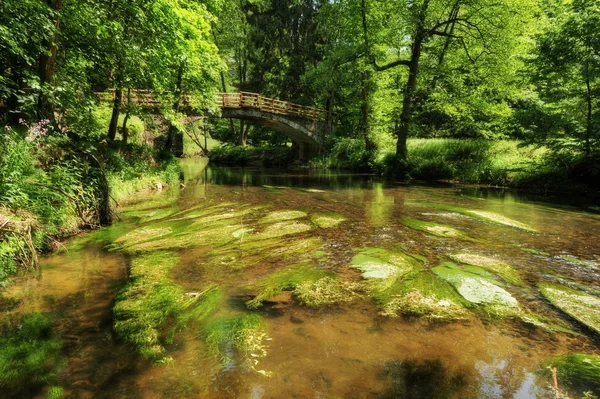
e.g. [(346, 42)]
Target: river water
[(231, 228)]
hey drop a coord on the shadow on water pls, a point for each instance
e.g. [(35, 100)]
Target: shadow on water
[(425, 379)]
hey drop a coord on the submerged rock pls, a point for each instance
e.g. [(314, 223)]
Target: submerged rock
[(282, 229), (280, 216), (579, 305), (502, 269), (376, 263), (438, 230), (479, 290), (327, 220), (325, 291)]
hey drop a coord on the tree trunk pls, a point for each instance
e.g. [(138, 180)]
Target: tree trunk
[(46, 64), (114, 120), (589, 126), (364, 112), (125, 130), (409, 91), (243, 133), (178, 90)]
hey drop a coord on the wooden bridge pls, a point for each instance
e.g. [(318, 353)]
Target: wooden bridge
[(304, 125)]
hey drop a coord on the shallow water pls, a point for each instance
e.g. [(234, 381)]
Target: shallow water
[(347, 350)]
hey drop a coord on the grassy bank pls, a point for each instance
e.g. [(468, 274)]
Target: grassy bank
[(507, 163), (56, 187)]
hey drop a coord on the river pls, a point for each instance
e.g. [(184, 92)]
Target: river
[(322, 285)]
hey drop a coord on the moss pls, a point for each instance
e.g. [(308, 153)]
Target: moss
[(246, 335), (55, 392), (375, 263), (576, 371), (282, 229), (146, 303), (582, 307), (325, 291), (30, 354), (474, 288), (280, 216), (502, 269), (327, 220), (150, 215), (576, 261), (241, 233), (286, 279), (438, 230), (485, 216), (423, 295)]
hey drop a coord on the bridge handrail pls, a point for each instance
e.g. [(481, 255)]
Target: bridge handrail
[(245, 99)]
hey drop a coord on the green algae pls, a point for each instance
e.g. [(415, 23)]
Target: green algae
[(438, 230), (502, 269), (535, 252), (325, 291), (576, 261), (576, 371), (146, 302), (140, 235), (241, 233), (579, 305), (477, 289), (282, 229), (327, 220), (281, 216), (423, 295), (286, 279), (30, 354), (245, 335), (375, 263), (202, 305), (486, 216), (150, 215)]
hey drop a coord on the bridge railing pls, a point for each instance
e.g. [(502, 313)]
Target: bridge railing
[(253, 100)]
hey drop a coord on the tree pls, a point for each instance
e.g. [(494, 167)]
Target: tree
[(568, 77)]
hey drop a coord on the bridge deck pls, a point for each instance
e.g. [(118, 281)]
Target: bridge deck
[(265, 104)]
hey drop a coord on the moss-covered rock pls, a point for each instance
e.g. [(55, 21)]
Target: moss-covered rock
[(29, 355), (375, 263), (480, 290), (423, 295), (325, 291), (485, 216), (286, 279), (282, 229), (327, 220), (579, 305), (578, 372), (502, 269), (281, 216), (438, 230)]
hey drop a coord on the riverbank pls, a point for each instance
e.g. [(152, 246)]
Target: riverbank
[(505, 163), (53, 189)]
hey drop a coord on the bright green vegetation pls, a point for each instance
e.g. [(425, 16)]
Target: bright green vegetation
[(580, 262), (289, 279), (327, 220), (486, 216), (325, 291), (479, 290), (280, 216), (502, 269), (576, 371), (282, 229), (244, 334), (146, 302), (435, 229), (55, 393), (30, 354), (582, 307), (201, 305), (376, 263), (422, 295)]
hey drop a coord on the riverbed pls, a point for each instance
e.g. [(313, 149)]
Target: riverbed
[(290, 284)]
